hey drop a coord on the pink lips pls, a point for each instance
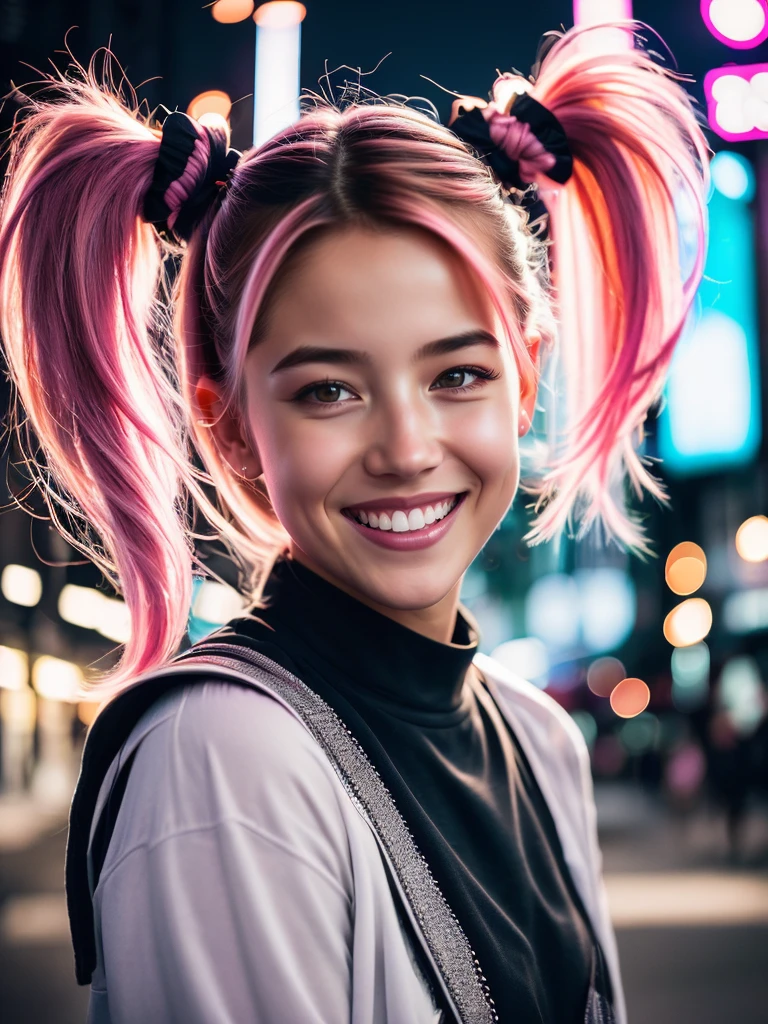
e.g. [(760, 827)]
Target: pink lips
[(389, 505), (412, 540)]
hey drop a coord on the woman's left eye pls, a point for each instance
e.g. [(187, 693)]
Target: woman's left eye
[(459, 372)]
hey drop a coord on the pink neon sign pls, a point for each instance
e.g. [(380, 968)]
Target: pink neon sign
[(604, 39), (740, 24), (737, 101), (592, 12)]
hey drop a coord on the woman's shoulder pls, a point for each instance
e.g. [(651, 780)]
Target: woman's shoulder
[(246, 732), (216, 752), (237, 722)]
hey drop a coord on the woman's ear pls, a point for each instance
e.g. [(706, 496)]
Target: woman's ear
[(226, 429), (528, 397)]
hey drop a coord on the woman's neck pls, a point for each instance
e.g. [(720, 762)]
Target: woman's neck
[(436, 622)]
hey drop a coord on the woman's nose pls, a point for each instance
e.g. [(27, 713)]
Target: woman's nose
[(404, 440)]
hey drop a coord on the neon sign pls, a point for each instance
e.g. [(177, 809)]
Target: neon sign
[(737, 101), (741, 24)]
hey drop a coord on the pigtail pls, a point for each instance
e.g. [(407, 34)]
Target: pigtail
[(639, 156), (79, 314)]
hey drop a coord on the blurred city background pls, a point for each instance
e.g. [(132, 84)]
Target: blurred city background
[(662, 662)]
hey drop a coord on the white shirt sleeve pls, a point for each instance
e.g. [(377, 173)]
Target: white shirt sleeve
[(227, 893)]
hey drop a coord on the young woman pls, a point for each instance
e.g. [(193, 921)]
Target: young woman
[(367, 820)]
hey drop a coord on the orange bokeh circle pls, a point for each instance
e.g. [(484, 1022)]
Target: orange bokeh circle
[(630, 697), (688, 622), (686, 568), (229, 12)]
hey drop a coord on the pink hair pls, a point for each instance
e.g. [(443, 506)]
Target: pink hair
[(638, 150), (115, 414)]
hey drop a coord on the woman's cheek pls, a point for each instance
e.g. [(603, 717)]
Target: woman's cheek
[(305, 463), (486, 440)]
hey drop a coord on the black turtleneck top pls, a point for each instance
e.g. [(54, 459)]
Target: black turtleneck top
[(457, 774)]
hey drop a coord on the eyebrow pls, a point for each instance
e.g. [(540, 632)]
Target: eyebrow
[(351, 357)]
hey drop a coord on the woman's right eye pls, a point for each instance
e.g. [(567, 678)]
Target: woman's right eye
[(327, 392)]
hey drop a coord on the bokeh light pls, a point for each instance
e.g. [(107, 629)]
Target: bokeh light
[(688, 623), (214, 101), (552, 610), (57, 679), (14, 668), (607, 606), (604, 674), (732, 176), (21, 585), (228, 12), (740, 693), (686, 568), (89, 608), (690, 676), (280, 14), (526, 656), (630, 697), (18, 709), (740, 24), (640, 733), (685, 771), (752, 539), (745, 611)]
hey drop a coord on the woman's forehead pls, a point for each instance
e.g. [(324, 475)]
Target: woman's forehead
[(363, 287)]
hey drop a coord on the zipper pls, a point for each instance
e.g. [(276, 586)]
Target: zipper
[(465, 1007)]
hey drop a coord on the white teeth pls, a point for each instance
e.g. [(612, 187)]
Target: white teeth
[(415, 519), (404, 522), (399, 522)]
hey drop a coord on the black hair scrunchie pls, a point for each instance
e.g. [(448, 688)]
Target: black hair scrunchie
[(180, 133)]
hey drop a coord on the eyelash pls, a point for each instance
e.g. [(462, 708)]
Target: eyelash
[(477, 371)]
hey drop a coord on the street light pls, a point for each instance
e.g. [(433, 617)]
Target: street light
[(276, 83)]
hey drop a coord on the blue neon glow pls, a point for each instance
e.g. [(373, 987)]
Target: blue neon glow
[(197, 628), (732, 176), (711, 419)]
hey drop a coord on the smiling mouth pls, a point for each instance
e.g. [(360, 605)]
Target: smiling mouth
[(400, 521)]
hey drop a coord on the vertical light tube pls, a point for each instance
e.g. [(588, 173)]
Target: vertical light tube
[(276, 80), (593, 12)]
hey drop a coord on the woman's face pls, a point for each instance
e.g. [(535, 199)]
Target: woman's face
[(383, 389)]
